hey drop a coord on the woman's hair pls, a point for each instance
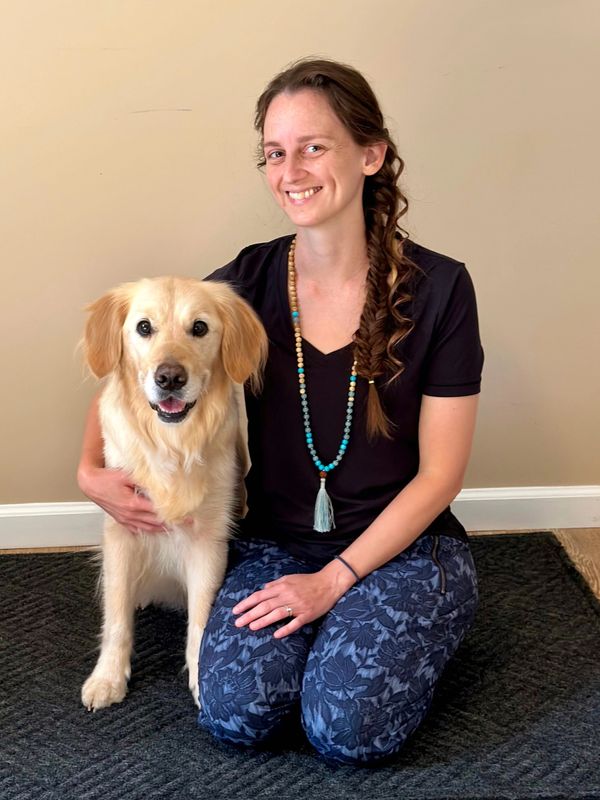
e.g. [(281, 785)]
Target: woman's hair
[(391, 273)]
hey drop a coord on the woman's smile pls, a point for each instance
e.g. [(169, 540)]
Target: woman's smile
[(299, 197)]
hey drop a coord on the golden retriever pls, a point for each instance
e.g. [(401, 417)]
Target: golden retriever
[(175, 351)]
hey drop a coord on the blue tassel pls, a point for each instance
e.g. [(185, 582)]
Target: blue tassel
[(324, 521)]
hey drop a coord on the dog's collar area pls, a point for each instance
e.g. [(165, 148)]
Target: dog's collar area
[(176, 416)]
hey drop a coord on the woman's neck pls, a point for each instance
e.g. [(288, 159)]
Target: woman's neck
[(331, 258)]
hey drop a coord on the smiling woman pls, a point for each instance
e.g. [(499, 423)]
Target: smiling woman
[(351, 583)]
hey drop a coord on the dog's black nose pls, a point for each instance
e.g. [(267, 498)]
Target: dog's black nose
[(170, 377)]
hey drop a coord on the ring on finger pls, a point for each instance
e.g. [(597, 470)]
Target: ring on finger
[(289, 611)]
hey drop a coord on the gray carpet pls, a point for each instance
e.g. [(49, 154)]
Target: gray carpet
[(516, 715)]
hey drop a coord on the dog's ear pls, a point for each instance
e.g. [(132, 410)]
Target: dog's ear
[(102, 342), (244, 346)]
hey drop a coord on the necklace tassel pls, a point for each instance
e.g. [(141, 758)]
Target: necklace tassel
[(324, 520)]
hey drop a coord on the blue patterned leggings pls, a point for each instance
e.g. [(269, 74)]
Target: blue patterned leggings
[(362, 677)]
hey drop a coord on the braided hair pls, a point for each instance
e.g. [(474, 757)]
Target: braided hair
[(391, 273)]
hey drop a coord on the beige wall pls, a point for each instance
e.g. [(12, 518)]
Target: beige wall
[(127, 151)]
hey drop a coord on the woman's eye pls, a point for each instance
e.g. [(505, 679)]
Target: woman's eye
[(144, 328), (199, 328), (313, 148), (274, 155)]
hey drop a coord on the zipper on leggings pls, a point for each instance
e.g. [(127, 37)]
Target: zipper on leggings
[(434, 555)]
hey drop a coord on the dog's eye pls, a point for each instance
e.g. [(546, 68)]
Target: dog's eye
[(144, 328), (200, 328)]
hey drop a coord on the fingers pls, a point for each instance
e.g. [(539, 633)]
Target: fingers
[(285, 630), (290, 602), (265, 605), (137, 499), (149, 519), (140, 522), (135, 528), (140, 502), (252, 600), (263, 609), (142, 514), (255, 609), (264, 620), (115, 492), (137, 522)]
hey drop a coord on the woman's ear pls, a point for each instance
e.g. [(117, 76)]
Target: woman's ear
[(102, 343), (374, 157)]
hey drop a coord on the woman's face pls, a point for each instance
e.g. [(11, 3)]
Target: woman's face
[(314, 168)]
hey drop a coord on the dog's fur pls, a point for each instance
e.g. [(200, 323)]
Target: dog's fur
[(182, 446)]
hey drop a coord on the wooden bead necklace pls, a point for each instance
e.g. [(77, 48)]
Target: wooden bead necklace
[(323, 518)]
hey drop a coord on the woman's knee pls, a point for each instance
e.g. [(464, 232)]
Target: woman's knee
[(240, 710), (249, 683), (362, 733)]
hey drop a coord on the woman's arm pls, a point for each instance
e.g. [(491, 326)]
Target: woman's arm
[(446, 429), (92, 450), (111, 489)]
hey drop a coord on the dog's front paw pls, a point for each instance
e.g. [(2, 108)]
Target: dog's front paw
[(195, 690), (100, 692), (192, 668), (194, 687)]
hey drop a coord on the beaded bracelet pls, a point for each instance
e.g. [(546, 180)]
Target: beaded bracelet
[(347, 565)]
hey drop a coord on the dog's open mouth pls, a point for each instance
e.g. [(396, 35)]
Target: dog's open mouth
[(172, 409)]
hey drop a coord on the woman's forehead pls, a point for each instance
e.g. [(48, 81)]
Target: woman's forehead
[(305, 114)]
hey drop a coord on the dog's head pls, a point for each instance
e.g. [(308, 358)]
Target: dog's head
[(172, 336)]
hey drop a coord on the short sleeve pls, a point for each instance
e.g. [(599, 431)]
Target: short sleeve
[(249, 273), (230, 274), (455, 357)]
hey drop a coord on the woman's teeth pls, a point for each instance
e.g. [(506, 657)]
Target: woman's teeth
[(304, 195)]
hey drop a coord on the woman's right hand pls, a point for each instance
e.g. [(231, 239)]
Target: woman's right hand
[(114, 491)]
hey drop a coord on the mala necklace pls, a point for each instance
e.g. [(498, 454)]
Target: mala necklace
[(323, 521)]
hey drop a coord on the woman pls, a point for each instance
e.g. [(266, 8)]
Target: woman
[(351, 583)]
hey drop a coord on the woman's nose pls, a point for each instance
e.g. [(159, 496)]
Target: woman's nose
[(294, 169)]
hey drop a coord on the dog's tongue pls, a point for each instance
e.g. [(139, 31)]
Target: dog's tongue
[(171, 405)]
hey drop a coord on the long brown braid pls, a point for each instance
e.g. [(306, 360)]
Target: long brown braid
[(391, 273)]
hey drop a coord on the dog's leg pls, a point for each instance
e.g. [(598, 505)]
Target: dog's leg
[(204, 574), (121, 563)]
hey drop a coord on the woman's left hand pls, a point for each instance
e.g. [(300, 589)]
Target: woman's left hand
[(308, 596)]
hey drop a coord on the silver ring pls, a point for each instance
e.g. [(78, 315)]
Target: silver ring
[(289, 611)]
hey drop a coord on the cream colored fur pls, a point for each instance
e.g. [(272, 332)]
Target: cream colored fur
[(191, 470)]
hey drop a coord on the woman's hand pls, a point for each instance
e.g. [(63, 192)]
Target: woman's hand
[(113, 490), (308, 596)]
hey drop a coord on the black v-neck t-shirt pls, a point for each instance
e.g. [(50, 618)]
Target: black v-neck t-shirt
[(443, 357)]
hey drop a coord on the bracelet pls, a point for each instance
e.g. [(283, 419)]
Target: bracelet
[(347, 565)]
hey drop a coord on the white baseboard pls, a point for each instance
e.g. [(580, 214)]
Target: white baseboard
[(507, 508), (528, 508), (50, 525)]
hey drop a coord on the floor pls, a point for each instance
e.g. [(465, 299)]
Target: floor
[(582, 545)]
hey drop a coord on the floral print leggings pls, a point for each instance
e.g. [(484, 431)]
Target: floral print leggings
[(361, 677)]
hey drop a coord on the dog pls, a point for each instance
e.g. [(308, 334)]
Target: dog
[(175, 352)]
